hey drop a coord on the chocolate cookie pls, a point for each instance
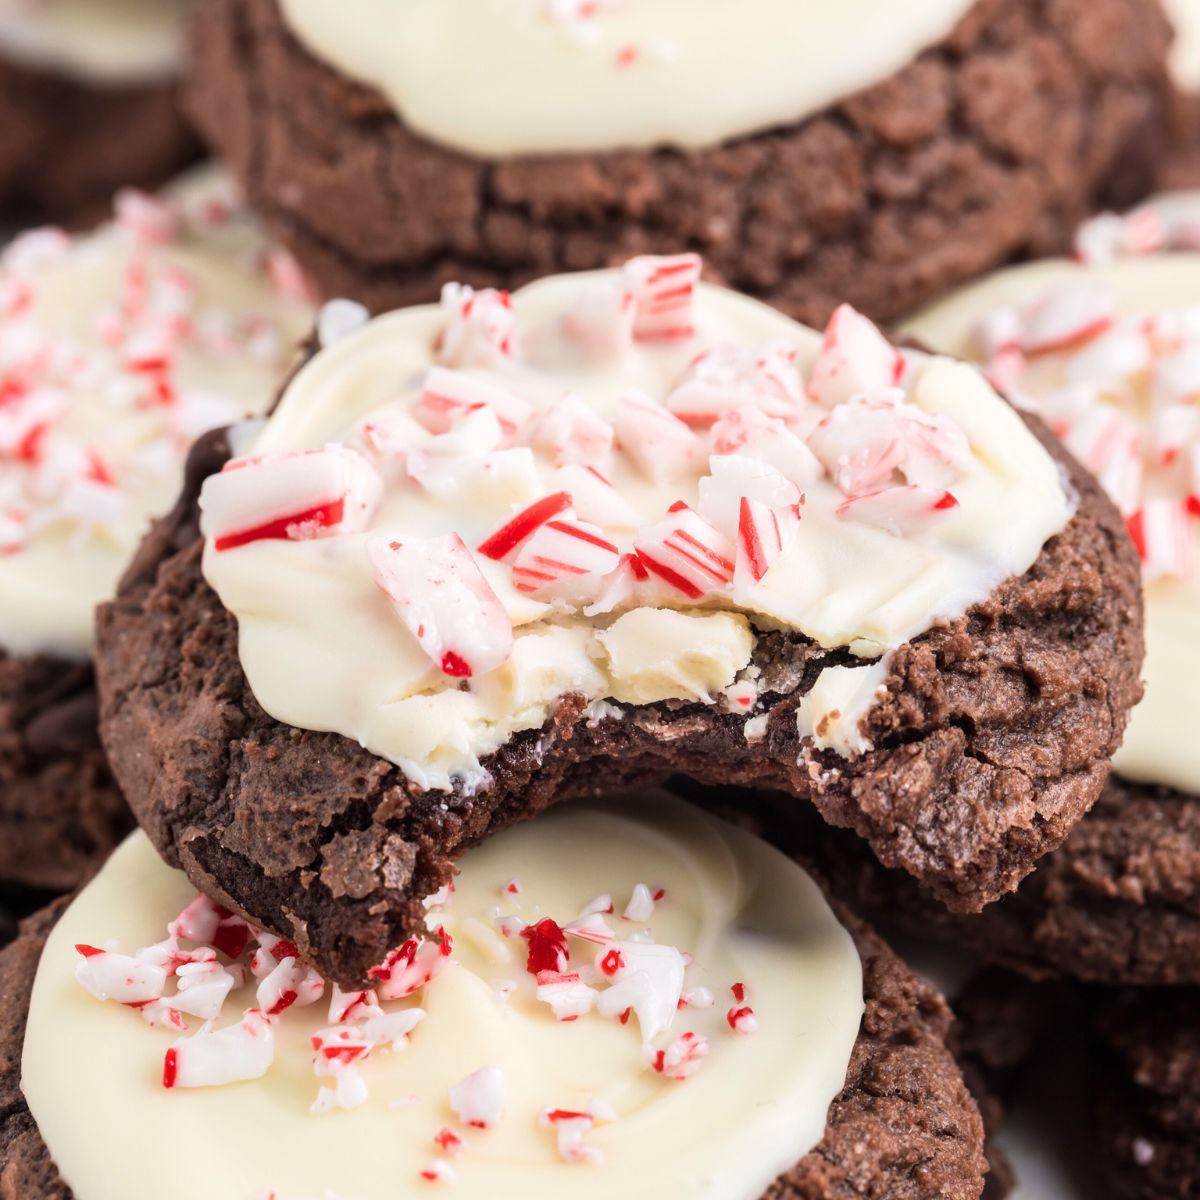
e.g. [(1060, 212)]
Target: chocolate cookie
[(60, 811), (1148, 1103), (66, 147), (992, 144), (335, 848), (1117, 903), (903, 1126), (81, 475)]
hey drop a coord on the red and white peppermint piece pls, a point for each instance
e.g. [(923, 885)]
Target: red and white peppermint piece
[(198, 922), (730, 377), (518, 529), (764, 533), (901, 511), (547, 947), (687, 553), (1066, 318), (108, 975), (641, 905), (747, 432), (618, 589), (478, 1100), (1172, 429), (479, 330), (446, 463), (438, 1170), (682, 1058), (290, 495), (647, 979), (213, 1057), (591, 927), (594, 498), (664, 295), (449, 1141), (410, 967), (854, 358), (565, 559), (289, 983), (1161, 530), (202, 989), (734, 477), (358, 1005), (567, 995), (448, 396), (392, 1029), (660, 445), (572, 432), (150, 220), (440, 595), (570, 1131), (159, 1014)]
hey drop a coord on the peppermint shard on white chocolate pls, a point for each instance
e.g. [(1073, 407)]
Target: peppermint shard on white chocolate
[(627, 524)]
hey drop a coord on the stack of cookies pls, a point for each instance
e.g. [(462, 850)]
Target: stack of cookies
[(505, 572)]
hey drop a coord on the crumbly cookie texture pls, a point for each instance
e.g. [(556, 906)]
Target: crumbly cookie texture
[(991, 145), (1117, 903), (904, 1125)]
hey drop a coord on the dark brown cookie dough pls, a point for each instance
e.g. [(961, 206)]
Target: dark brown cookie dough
[(903, 1127), (66, 147), (1148, 1101), (992, 742), (1183, 160), (1118, 903), (60, 811), (990, 146)]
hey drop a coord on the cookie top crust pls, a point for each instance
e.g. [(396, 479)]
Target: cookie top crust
[(1108, 353), (608, 486), (630, 983), (118, 348), (102, 42), (572, 76)]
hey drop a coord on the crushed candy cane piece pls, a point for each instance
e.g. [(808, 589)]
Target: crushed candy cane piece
[(573, 433), (1161, 530), (686, 553), (764, 533), (516, 531), (730, 377), (592, 927), (570, 1131), (438, 1170), (682, 1058), (479, 329), (213, 1057), (345, 1007), (290, 495), (641, 905), (594, 498), (547, 947), (1065, 318), (664, 294), (448, 396), (565, 558), (440, 595), (854, 358), (900, 511), (108, 975), (411, 966), (478, 1100), (747, 432), (648, 981), (289, 983), (660, 445), (567, 995)]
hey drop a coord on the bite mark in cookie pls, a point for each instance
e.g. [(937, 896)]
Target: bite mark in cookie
[(713, 663)]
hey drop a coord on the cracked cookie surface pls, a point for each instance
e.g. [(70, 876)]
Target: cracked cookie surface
[(990, 146)]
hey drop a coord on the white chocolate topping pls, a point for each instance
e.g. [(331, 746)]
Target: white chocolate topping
[(471, 582), (117, 349), (1185, 51), (544, 76), (1129, 411), (757, 1103), (105, 42)]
